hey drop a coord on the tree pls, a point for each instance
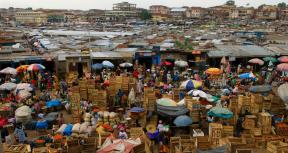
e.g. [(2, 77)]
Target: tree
[(185, 46), (230, 2), (145, 15), (282, 5)]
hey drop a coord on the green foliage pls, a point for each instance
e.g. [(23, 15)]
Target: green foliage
[(145, 15), (185, 46), (230, 2), (282, 5)]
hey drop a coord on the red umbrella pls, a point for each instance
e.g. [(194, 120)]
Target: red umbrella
[(282, 67), (166, 63), (283, 59)]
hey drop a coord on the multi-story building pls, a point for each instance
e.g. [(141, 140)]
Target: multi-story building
[(178, 12), (221, 12), (283, 14), (242, 13), (159, 12), (267, 12), (195, 12), (95, 15), (30, 17), (121, 11)]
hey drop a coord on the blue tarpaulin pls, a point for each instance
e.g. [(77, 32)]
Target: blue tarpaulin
[(53, 103), (42, 125), (68, 130)]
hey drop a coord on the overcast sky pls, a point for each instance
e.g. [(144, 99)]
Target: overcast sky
[(107, 4)]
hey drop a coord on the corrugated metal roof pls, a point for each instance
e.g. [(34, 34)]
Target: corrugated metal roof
[(240, 51), (279, 49), (110, 55)]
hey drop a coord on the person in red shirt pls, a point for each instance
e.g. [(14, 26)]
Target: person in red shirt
[(136, 74)]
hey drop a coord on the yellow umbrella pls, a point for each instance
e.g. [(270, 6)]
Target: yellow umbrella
[(213, 71)]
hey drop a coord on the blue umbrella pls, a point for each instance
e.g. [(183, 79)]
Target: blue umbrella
[(220, 112), (260, 89), (107, 64), (191, 84), (136, 110), (246, 75), (97, 66), (182, 120)]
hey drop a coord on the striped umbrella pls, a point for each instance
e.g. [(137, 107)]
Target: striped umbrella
[(282, 67), (22, 68), (35, 67), (256, 61), (283, 59)]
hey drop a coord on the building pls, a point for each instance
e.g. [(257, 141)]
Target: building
[(121, 11), (267, 12), (30, 17), (221, 12), (195, 12), (159, 12), (95, 15), (178, 12), (283, 14), (242, 13)]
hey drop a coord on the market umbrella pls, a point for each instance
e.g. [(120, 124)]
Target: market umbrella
[(181, 63), (23, 94), (22, 68), (268, 59), (260, 88), (282, 67), (9, 70), (283, 59), (246, 75), (283, 92), (166, 63), (8, 86), (182, 121), (107, 64), (125, 65), (35, 67), (191, 84), (24, 86), (136, 110), (119, 145), (256, 61), (166, 102), (213, 71), (219, 111), (97, 66), (197, 93)]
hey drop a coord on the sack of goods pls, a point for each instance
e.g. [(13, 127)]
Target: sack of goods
[(23, 114)]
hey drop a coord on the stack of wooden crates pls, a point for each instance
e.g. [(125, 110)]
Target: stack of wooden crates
[(265, 122)]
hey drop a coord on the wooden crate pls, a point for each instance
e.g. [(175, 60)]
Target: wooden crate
[(227, 131), (192, 104), (256, 98), (203, 143), (256, 131), (174, 142), (195, 115), (16, 149), (255, 108), (135, 132), (266, 129), (276, 146), (248, 139), (249, 122), (260, 143), (187, 145), (244, 100), (264, 119), (246, 107), (235, 143), (83, 94), (215, 132), (266, 105), (244, 151)]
